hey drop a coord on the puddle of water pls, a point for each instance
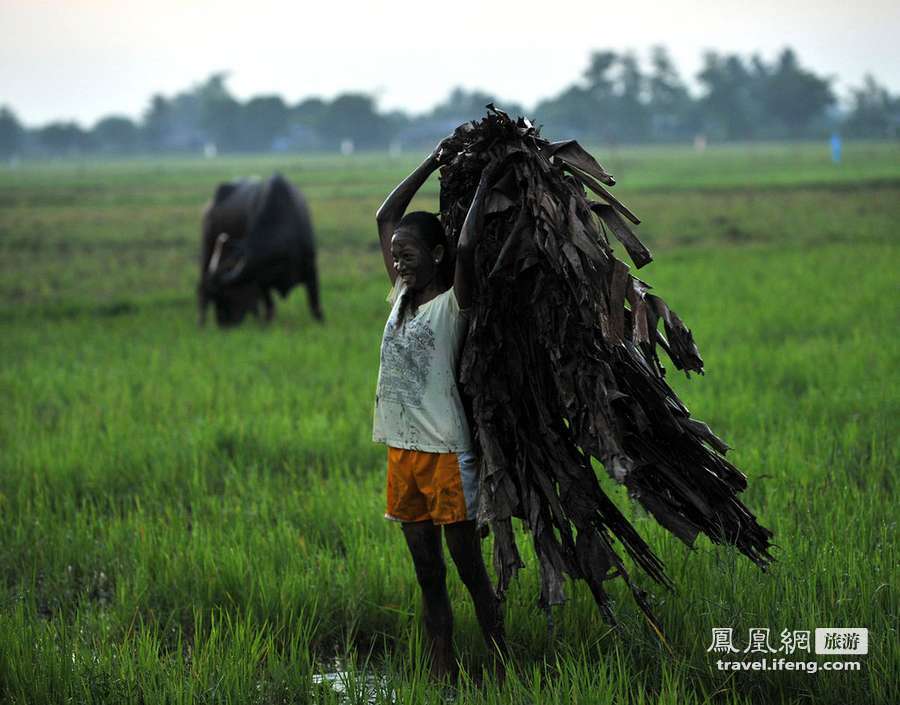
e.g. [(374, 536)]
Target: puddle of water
[(360, 686), (367, 686)]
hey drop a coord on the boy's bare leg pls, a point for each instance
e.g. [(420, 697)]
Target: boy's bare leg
[(465, 548), (424, 541)]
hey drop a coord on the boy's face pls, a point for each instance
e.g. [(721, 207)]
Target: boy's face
[(413, 260)]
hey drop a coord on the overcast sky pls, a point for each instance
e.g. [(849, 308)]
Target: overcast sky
[(82, 59)]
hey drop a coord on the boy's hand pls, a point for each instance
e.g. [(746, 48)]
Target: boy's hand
[(443, 153)]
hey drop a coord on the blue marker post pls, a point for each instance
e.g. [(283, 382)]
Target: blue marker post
[(835, 148)]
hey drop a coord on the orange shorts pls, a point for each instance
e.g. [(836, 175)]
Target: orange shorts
[(442, 487)]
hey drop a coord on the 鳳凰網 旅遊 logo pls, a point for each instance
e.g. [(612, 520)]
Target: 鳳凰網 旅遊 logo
[(792, 649)]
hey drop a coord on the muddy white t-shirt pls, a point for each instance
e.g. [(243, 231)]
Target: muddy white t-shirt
[(417, 403)]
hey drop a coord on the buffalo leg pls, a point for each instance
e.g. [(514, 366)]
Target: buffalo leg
[(269, 305), (312, 290), (202, 303)]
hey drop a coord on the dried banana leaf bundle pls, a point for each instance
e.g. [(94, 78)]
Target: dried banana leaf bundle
[(561, 366)]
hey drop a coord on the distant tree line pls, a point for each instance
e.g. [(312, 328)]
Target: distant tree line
[(615, 100)]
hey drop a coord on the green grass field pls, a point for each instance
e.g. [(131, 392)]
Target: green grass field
[(195, 515)]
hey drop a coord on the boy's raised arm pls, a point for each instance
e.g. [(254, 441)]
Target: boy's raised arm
[(464, 278), (395, 204)]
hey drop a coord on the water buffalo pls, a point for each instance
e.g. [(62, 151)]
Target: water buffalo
[(257, 236)]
